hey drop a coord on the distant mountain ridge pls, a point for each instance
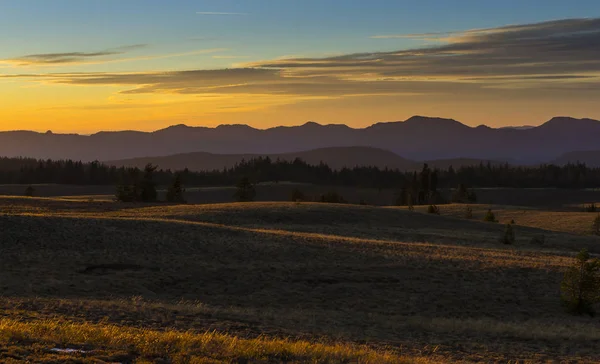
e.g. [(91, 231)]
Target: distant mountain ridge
[(335, 157), (418, 138), (590, 158)]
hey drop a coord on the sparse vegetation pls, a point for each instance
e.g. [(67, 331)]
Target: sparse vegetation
[(591, 208), (596, 225), (489, 216), (433, 209), (581, 284), (332, 197), (468, 212), (508, 238)]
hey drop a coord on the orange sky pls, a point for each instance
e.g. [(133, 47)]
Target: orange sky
[(511, 75)]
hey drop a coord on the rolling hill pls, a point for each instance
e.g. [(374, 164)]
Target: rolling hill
[(418, 138), (335, 157)]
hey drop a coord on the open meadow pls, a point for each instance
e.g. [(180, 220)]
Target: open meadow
[(271, 282)]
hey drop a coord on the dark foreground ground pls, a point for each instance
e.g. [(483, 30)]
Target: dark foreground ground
[(397, 285)]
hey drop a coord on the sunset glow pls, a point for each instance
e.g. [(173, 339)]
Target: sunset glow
[(73, 66)]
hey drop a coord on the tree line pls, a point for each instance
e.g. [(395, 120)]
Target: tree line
[(419, 186)]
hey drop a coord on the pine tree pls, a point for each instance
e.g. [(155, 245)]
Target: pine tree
[(596, 225), (148, 186), (509, 235), (176, 191), (581, 284), (245, 190)]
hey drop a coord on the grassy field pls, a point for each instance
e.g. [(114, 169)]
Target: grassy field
[(285, 282)]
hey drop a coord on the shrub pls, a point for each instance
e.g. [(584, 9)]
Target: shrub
[(596, 225), (512, 222), (539, 239), (245, 191), (490, 217), (298, 196), (509, 235), (433, 209), (411, 207), (332, 197), (591, 208), (580, 288), (29, 191)]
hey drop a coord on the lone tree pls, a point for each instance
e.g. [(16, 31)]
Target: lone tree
[(148, 186), (489, 216), (245, 191), (509, 235), (581, 285), (176, 191)]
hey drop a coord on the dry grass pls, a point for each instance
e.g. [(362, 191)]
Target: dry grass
[(573, 222), (106, 341), (432, 286)]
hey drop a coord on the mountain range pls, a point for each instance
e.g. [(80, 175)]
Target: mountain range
[(418, 138)]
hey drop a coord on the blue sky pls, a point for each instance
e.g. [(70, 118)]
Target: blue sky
[(181, 35)]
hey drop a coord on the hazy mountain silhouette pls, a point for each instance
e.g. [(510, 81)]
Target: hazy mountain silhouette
[(418, 138), (591, 158), (334, 157)]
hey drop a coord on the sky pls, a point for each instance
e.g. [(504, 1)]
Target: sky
[(85, 66)]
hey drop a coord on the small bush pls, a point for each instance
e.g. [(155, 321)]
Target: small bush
[(490, 217), (512, 222), (538, 239), (580, 287), (591, 208), (509, 235), (411, 207), (29, 191), (596, 226), (468, 212), (433, 209)]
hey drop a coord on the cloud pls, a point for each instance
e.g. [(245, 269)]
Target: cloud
[(68, 57), (218, 13), (544, 56), (76, 58)]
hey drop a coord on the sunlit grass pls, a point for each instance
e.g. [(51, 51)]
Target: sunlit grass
[(177, 346)]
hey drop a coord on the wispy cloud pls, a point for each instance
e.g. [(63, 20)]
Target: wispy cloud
[(108, 56), (218, 13), (551, 55), (69, 57), (230, 57)]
